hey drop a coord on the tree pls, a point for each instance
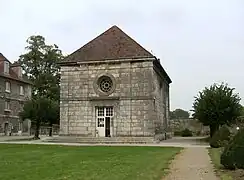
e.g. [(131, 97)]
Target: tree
[(242, 112), (216, 106), (40, 65), (40, 110), (53, 114), (179, 114)]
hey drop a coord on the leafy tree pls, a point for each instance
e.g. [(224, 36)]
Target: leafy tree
[(216, 106), (40, 64), (53, 114), (242, 112), (40, 110), (179, 114)]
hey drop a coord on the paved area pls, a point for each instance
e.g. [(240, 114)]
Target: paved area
[(84, 144), (11, 138), (192, 163), (174, 142)]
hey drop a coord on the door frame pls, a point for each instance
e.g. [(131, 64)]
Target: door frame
[(102, 113)]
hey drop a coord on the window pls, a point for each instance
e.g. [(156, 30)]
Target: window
[(7, 86), (21, 90), (7, 105), (100, 122), (6, 67), (109, 111), (20, 72), (21, 105), (104, 111), (100, 111), (106, 84), (20, 125)]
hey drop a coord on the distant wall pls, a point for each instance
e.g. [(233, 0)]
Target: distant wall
[(44, 130), (195, 126)]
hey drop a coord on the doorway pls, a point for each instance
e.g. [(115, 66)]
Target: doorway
[(103, 117), (107, 127), (6, 129)]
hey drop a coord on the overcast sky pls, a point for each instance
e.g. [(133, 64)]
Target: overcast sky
[(199, 42)]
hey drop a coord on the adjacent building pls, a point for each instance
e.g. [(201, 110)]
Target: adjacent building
[(14, 91), (113, 87)]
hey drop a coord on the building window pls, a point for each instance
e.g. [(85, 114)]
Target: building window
[(21, 90), (109, 111), (105, 84), (7, 105), (20, 72), (7, 86), (21, 105), (6, 67), (20, 125), (100, 122), (100, 111)]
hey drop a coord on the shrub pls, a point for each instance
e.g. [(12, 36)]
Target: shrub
[(186, 133), (233, 154), (177, 133), (220, 138)]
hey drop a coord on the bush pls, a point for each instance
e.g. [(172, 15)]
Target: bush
[(233, 154), (220, 138), (186, 133), (177, 133)]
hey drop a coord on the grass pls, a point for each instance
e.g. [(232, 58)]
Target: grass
[(215, 154), (53, 162)]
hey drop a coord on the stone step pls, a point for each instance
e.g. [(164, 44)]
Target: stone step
[(92, 140)]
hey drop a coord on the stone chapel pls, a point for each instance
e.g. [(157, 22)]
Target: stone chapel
[(113, 87)]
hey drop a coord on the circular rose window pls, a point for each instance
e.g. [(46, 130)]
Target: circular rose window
[(105, 84)]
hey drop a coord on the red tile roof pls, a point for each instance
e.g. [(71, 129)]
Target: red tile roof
[(112, 44)]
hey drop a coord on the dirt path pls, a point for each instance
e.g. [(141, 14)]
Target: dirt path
[(192, 164)]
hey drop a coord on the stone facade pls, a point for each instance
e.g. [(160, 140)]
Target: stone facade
[(14, 91), (138, 97)]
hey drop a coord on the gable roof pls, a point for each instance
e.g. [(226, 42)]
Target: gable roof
[(112, 44), (12, 75), (3, 58)]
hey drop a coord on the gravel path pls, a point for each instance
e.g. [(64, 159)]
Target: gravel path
[(192, 163)]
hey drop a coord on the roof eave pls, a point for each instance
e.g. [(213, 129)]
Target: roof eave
[(17, 79), (66, 63), (158, 64)]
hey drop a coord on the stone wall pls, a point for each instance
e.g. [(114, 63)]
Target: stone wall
[(44, 130), (195, 126), (161, 101), (133, 99)]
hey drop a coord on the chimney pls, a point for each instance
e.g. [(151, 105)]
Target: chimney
[(16, 67)]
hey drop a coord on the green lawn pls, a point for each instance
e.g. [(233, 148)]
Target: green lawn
[(49, 162), (215, 154)]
